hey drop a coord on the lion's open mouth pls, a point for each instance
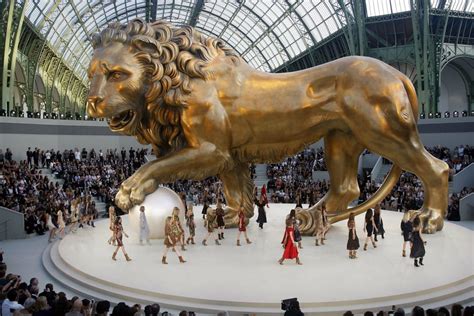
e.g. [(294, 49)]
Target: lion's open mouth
[(121, 120)]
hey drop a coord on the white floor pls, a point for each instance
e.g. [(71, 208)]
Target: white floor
[(248, 278)]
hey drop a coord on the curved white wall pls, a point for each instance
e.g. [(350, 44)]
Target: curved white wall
[(453, 92)]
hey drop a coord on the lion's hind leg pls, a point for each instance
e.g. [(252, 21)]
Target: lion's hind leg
[(341, 154), (393, 134)]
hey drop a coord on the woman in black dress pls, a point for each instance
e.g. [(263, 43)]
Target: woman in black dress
[(220, 220), (369, 227), (353, 241), (299, 199), (417, 243), (262, 215), (407, 227), (378, 222), (205, 205)]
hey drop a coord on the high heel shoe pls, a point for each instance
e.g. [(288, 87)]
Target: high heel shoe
[(181, 260)]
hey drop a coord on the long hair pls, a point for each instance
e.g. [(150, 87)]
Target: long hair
[(368, 215)]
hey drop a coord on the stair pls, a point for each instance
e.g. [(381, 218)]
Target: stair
[(260, 175)]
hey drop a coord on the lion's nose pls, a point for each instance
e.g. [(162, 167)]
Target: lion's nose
[(92, 103)]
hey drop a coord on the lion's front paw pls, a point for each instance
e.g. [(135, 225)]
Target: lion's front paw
[(122, 200)]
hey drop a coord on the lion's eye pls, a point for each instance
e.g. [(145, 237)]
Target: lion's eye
[(115, 75)]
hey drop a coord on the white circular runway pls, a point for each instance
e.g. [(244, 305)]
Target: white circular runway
[(249, 279)]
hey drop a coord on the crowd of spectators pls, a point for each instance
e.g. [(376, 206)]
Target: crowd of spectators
[(455, 310), (19, 298), (24, 188), (461, 157)]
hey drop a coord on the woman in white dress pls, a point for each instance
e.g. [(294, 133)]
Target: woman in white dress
[(144, 229), (61, 225), (51, 227)]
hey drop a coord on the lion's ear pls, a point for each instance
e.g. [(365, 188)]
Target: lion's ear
[(148, 45)]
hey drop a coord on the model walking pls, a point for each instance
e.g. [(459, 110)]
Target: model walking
[(210, 220), (177, 222), (262, 215), (407, 228), (296, 227), (51, 227), (353, 240), (61, 225), (242, 228), (289, 243), (369, 227), (205, 205), (378, 222), (144, 229), (112, 218), (417, 243), (172, 236), (119, 232), (74, 216), (191, 225), (220, 213), (321, 224)]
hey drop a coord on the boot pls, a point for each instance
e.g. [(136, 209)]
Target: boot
[(182, 248), (219, 236), (222, 235), (181, 259), (238, 242), (204, 242), (375, 238), (322, 241), (365, 246), (248, 241), (317, 243), (192, 241), (421, 261), (373, 244), (187, 240), (383, 237), (127, 257), (299, 245), (404, 254), (281, 261), (163, 260), (217, 242), (298, 261), (416, 263), (114, 256)]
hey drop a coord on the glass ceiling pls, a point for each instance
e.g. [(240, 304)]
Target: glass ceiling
[(266, 33)]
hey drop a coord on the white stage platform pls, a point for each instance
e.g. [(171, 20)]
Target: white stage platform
[(248, 279)]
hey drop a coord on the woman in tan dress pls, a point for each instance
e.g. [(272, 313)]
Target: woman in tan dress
[(172, 236), (177, 222), (322, 224), (112, 217), (210, 221), (118, 233)]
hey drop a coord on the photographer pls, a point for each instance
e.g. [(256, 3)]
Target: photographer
[(10, 305), (291, 307)]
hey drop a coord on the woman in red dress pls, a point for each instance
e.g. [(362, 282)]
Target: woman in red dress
[(242, 228), (291, 249)]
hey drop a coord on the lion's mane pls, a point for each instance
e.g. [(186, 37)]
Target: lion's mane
[(170, 57)]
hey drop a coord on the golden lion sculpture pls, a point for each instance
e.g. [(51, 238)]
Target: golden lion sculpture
[(206, 112)]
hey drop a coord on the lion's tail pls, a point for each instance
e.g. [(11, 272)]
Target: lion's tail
[(395, 171), (376, 198)]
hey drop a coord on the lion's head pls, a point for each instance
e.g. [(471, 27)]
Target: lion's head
[(140, 71)]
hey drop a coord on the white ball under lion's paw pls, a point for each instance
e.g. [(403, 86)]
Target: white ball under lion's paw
[(158, 206)]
